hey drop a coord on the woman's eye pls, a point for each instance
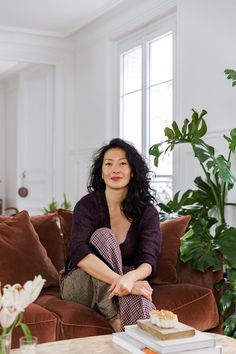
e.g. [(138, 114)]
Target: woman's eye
[(107, 164), (123, 163)]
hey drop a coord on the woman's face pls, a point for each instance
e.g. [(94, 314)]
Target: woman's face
[(116, 171)]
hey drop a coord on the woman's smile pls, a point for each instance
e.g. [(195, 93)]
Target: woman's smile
[(116, 179)]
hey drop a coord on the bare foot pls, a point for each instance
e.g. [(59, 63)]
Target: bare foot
[(116, 324)]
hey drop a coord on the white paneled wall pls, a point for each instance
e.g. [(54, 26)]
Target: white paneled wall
[(36, 137)]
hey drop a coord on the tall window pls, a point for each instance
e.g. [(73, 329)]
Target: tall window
[(146, 102)]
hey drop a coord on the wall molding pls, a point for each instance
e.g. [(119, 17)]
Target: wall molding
[(130, 16)]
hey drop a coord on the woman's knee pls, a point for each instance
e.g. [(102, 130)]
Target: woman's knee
[(104, 236)]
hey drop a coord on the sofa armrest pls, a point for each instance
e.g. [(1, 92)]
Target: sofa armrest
[(206, 279)]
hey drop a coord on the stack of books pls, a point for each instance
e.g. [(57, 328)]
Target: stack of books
[(143, 338)]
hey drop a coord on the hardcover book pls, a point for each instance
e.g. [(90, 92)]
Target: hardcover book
[(198, 341)]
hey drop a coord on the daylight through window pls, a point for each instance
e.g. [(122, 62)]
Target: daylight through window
[(146, 102)]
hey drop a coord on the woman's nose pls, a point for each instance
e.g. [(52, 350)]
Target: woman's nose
[(116, 168)]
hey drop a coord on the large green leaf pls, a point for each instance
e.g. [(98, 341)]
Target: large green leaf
[(201, 154), (176, 129), (202, 129), (226, 302), (184, 128), (230, 325), (156, 151), (232, 140), (165, 208), (231, 276), (231, 75), (169, 133), (226, 241), (208, 148), (222, 167), (202, 254)]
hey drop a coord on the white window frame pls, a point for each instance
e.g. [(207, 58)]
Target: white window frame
[(142, 38)]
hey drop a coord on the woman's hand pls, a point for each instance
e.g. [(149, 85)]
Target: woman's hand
[(123, 285), (143, 288)]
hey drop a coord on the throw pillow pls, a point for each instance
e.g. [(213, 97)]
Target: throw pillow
[(48, 229), (21, 253), (172, 230)]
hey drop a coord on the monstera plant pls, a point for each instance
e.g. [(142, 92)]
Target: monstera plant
[(210, 241)]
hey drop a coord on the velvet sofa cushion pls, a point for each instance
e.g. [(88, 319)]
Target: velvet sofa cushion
[(172, 230), (42, 324), (48, 229), (21, 253), (194, 305), (74, 320)]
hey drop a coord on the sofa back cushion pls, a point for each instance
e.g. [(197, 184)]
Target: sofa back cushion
[(21, 253), (48, 229), (172, 230)]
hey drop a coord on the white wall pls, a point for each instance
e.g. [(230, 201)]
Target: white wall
[(206, 47)]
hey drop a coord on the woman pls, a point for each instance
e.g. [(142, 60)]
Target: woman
[(115, 238)]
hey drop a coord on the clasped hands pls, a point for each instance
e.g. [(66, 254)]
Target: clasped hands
[(126, 285)]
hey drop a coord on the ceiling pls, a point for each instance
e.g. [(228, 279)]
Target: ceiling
[(58, 18)]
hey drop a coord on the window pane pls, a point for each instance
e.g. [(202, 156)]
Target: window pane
[(163, 188), (132, 70), (161, 117), (132, 119), (161, 60)]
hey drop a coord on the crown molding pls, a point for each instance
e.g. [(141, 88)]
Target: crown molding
[(129, 16)]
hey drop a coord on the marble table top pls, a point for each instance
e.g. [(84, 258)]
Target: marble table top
[(104, 345)]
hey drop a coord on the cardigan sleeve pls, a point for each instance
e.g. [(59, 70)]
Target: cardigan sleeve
[(149, 239), (82, 228)]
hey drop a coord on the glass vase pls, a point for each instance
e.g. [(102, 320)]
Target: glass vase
[(5, 343)]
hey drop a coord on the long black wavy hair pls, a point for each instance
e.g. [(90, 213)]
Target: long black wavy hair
[(140, 194)]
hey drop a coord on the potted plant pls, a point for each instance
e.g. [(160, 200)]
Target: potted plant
[(53, 205), (210, 241)]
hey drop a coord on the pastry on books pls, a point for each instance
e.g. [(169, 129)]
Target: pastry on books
[(163, 318)]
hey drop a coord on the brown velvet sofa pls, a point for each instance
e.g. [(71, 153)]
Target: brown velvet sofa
[(39, 245)]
